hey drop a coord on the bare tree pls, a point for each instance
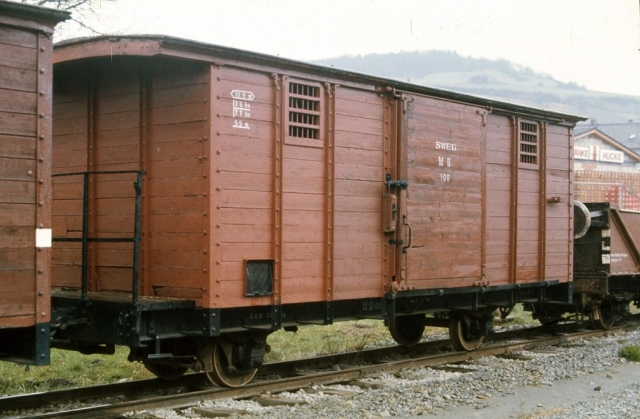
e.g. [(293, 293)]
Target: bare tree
[(87, 17)]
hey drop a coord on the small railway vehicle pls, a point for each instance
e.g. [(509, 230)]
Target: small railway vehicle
[(205, 197), (186, 200), (606, 265), (26, 66)]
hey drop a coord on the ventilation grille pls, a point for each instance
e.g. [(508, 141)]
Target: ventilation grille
[(259, 277), (304, 111), (528, 143)]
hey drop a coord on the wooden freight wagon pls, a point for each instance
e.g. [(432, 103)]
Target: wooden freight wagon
[(270, 193), (25, 182)]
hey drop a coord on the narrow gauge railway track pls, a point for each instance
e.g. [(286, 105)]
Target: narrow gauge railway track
[(155, 394), (195, 381)]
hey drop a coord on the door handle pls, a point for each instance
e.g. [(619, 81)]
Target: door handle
[(404, 222)]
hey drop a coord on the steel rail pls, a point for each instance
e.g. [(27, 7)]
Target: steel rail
[(175, 401), (195, 380)]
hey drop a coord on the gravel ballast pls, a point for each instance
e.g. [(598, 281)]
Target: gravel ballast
[(582, 379)]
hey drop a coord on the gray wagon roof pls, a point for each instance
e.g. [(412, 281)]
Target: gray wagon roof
[(161, 45), (45, 16)]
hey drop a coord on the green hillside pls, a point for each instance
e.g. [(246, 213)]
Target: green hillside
[(498, 79)]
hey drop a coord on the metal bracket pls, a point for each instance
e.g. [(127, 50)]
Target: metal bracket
[(402, 184)]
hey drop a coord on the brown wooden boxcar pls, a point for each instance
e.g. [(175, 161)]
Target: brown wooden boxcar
[(271, 193), (25, 180)]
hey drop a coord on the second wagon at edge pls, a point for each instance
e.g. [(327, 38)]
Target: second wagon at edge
[(271, 194)]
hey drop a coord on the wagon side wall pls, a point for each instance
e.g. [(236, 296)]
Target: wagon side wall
[(19, 171), (70, 154), (499, 151), (306, 204), (133, 115), (243, 128), (559, 185), (445, 169), (529, 200), (489, 198), (363, 137), (176, 157), (25, 182), (265, 184)]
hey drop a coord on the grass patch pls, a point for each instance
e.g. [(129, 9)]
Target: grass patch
[(630, 352), (327, 340), (69, 369), (519, 316), (72, 369)]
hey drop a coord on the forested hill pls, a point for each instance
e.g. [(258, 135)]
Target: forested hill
[(498, 79)]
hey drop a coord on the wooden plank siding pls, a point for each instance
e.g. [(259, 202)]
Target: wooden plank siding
[(543, 242), (559, 216), (525, 238), (229, 182), (70, 145), (25, 179), (499, 143), (242, 182), (359, 186), (115, 147), (176, 184), (444, 198), (18, 176), (130, 118)]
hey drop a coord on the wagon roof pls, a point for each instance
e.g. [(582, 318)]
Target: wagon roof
[(162, 45), (32, 17)]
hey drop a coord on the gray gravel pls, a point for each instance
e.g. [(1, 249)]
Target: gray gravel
[(583, 379)]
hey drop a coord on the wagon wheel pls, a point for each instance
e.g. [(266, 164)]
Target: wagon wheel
[(505, 311), (460, 332), (223, 374), (407, 330), (165, 371), (602, 315)]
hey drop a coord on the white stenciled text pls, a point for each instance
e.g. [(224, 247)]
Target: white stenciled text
[(241, 108), (440, 145)]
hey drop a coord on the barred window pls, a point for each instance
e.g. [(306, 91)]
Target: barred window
[(304, 111), (529, 141)]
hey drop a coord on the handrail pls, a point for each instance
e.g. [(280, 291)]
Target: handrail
[(85, 239)]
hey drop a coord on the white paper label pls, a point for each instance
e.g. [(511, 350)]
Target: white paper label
[(43, 237)]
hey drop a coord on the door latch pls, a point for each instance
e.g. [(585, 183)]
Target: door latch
[(402, 184)]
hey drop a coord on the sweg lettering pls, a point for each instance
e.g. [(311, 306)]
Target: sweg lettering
[(445, 146)]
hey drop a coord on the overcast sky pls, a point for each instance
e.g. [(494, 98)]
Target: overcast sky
[(595, 43)]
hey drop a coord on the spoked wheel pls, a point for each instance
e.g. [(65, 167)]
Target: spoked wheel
[(165, 371), (407, 330), (225, 375), (460, 332), (602, 315)]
